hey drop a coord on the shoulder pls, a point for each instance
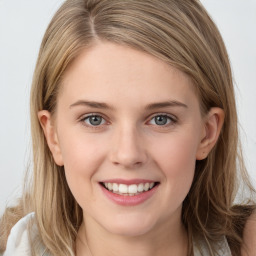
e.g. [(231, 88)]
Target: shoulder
[(249, 236), (19, 239)]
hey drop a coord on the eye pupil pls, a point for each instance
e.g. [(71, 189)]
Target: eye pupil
[(161, 120), (95, 120)]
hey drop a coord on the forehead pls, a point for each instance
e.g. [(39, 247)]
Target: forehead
[(110, 71)]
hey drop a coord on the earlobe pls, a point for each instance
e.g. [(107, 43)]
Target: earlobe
[(50, 134), (212, 128)]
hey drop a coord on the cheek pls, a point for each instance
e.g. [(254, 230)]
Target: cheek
[(177, 154), (81, 152), (81, 157), (176, 158)]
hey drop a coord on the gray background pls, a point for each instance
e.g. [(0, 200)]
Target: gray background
[(22, 25)]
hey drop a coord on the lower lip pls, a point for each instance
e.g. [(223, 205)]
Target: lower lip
[(129, 200)]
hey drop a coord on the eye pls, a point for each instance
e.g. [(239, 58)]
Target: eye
[(162, 120), (94, 120)]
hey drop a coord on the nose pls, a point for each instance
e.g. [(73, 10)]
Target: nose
[(128, 149)]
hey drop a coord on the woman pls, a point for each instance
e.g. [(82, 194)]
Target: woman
[(135, 137)]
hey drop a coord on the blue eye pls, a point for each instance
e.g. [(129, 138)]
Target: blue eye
[(161, 120), (94, 120)]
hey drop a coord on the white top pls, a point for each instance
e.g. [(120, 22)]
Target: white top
[(18, 241)]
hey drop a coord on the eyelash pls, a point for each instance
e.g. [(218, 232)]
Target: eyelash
[(83, 121), (172, 120)]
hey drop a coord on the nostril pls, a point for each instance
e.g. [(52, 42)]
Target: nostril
[(127, 148), (128, 159), (128, 164)]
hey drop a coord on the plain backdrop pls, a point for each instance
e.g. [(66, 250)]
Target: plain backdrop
[(22, 25)]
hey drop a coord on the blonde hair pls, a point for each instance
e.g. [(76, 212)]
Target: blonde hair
[(178, 32)]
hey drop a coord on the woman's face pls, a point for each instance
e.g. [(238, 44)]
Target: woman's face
[(128, 131)]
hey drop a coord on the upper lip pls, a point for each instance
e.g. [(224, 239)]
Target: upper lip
[(128, 182)]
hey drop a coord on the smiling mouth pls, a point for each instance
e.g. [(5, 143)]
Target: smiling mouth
[(129, 190)]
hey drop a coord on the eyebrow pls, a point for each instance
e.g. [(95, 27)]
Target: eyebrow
[(171, 103), (101, 105), (92, 104)]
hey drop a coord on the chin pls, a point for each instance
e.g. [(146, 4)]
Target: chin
[(130, 226)]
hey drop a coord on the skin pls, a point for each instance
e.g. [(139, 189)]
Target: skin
[(129, 144)]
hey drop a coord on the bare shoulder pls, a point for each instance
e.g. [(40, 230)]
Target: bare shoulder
[(249, 236)]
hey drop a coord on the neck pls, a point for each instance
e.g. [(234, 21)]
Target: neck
[(170, 239)]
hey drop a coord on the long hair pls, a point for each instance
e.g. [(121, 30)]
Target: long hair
[(178, 32)]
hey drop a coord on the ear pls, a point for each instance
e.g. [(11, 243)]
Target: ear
[(212, 126), (46, 122)]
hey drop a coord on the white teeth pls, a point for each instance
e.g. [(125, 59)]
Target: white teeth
[(115, 187), (131, 190), (123, 188), (146, 187), (110, 186), (140, 187)]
